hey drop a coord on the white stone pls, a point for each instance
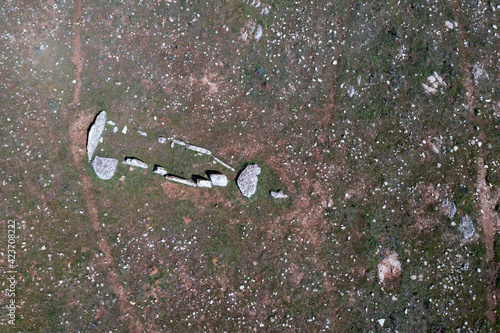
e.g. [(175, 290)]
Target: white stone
[(135, 162), (162, 139), (124, 130), (278, 194), (381, 322), (180, 180), (159, 170), (95, 133), (115, 129), (258, 33), (111, 122), (204, 183), (222, 163), (218, 179), (449, 25), (142, 133), (104, 167)]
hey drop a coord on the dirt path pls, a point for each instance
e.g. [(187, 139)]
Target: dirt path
[(486, 218), (78, 136)]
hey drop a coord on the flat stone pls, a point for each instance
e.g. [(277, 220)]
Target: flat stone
[(247, 180), (466, 227), (95, 133), (104, 167), (124, 130), (204, 183), (111, 122), (159, 170), (180, 180), (142, 133), (135, 162), (115, 129), (162, 139), (218, 179), (278, 194), (198, 149), (218, 160)]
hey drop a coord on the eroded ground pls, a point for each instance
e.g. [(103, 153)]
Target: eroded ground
[(326, 96)]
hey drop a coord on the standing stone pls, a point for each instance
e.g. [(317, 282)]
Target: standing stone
[(218, 179), (95, 133), (247, 180), (104, 167)]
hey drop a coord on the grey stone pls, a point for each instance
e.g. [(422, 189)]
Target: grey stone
[(162, 139), (218, 179), (247, 180), (204, 183), (135, 162), (222, 163), (95, 133), (198, 149), (159, 170), (180, 180), (104, 167), (466, 227), (453, 209), (278, 194)]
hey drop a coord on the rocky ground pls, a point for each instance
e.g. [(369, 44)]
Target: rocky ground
[(378, 121)]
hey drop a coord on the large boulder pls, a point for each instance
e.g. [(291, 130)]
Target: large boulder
[(95, 133), (247, 180), (104, 167)]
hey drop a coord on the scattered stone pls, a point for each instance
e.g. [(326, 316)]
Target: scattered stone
[(204, 183), (162, 139), (135, 162), (278, 194), (111, 122), (434, 82), (95, 133), (222, 163), (159, 170), (466, 227), (142, 133), (218, 179), (104, 167), (389, 268), (247, 180), (180, 180), (124, 130), (449, 25), (115, 129)]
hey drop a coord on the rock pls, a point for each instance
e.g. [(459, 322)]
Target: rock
[(204, 183), (218, 179), (449, 25), (111, 122), (115, 129), (381, 322), (466, 227), (104, 167), (95, 133), (159, 170), (278, 194), (247, 180), (389, 268), (124, 130), (434, 82), (142, 133), (135, 162), (180, 180), (177, 142), (162, 139)]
